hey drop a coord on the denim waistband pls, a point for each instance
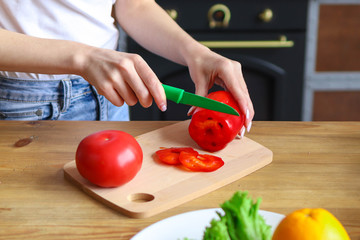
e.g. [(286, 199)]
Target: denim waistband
[(41, 90), (68, 98)]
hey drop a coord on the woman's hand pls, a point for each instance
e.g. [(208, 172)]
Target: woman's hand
[(122, 77), (208, 68)]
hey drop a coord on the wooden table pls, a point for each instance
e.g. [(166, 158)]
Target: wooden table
[(315, 164)]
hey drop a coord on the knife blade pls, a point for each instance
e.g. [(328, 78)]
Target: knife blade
[(179, 95)]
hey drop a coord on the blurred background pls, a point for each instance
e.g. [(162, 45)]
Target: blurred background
[(300, 58)]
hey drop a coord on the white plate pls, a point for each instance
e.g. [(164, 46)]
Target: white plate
[(192, 225)]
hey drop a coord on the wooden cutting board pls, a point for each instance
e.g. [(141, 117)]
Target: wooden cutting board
[(158, 187)]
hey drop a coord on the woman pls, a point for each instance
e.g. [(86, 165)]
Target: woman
[(59, 60)]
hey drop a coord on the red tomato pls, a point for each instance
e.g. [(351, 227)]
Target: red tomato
[(171, 155), (109, 158), (200, 162), (213, 130)]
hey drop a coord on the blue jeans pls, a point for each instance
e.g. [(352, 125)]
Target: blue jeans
[(67, 99)]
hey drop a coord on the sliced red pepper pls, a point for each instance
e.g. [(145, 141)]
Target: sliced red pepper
[(200, 162), (171, 155)]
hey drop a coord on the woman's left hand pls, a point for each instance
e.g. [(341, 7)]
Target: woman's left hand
[(208, 68)]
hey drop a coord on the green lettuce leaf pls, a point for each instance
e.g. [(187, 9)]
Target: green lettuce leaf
[(241, 221), (217, 230)]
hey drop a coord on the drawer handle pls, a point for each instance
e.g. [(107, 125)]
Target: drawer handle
[(172, 13), (281, 43), (266, 15), (219, 16)]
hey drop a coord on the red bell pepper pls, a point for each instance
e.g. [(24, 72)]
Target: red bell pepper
[(213, 130), (200, 162), (190, 159), (170, 156)]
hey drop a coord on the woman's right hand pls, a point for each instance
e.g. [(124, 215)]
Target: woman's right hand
[(122, 77)]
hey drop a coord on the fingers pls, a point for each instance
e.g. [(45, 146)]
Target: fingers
[(129, 79), (151, 83), (112, 95), (241, 133), (239, 90), (201, 88), (117, 92), (230, 74), (130, 84), (191, 111)]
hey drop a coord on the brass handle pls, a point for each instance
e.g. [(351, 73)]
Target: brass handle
[(281, 43), (266, 15), (172, 13), (219, 16)]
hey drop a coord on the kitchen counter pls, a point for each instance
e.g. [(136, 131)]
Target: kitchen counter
[(315, 164)]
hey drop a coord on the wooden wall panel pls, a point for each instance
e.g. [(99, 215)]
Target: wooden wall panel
[(338, 46), (336, 106)]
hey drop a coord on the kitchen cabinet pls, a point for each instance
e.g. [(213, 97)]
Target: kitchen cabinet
[(336, 105), (338, 44), (332, 70)]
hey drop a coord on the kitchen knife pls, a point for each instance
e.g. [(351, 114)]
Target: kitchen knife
[(180, 96)]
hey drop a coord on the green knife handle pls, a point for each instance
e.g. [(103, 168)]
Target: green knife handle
[(172, 93)]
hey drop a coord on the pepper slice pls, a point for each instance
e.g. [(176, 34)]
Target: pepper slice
[(200, 162), (171, 155)]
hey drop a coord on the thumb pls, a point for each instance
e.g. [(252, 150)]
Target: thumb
[(201, 87), (201, 91)]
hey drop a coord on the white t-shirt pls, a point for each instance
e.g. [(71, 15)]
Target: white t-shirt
[(85, 21)]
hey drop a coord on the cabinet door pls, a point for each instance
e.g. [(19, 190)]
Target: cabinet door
[(336, 106), (338, 51), (338, 46)]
